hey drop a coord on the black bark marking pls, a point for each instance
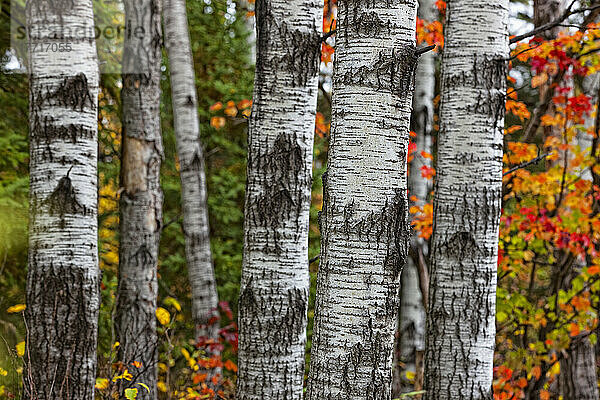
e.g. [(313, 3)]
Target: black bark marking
[(280, 200), (302, 49), (392, 72), (46, 129), (73, 93), (63, 200)]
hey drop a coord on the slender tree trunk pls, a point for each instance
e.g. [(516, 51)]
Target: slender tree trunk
[(275, 281), (462, 296), (141, 196), (578, 379), (411, 340), (63, 294), (364, 221), (193, 178)]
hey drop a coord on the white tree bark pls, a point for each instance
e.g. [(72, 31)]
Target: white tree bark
[(467, 204), (141, 196), (193, 178), (364, 221), (275, 280), (411, 340), (63, 294)]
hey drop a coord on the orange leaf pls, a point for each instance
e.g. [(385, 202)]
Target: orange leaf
[(216, 107), (536, 371), (231, 111), (539, 80), (217, 122), (544, 395), (230, 365), (593, 270), (574, 329)]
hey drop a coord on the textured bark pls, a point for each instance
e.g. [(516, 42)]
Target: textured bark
[(141, 196), (411, 340), (275, 280), (193, 178), (364, 221), (467, 203), (63, 295), (577, 379)]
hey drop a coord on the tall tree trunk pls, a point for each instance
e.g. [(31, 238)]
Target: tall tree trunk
[(63, 294), (275, 281), (193, 178), (141, 196), (411, 340), (578, 379), (467, 204), (364, 221)]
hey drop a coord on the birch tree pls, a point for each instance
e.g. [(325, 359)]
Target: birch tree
[(192, 171), (141, 196), (462, 294), (63, 295), (364, 221), (275, 281), (411, 340)]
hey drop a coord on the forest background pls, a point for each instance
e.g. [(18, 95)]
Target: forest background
[(550, 216)]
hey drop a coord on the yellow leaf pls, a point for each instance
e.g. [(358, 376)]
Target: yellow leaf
[(144, 386), (185, 353), (131, 394), (170, 301), (410, 375), (162, 386), (3, 372), (20, 349), (163, 316), (101, 383), (117, 344), (555, 370), (16, 308)]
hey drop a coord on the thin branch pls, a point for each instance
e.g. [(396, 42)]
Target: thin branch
[(422, 50), (568, 12), (526, 164)]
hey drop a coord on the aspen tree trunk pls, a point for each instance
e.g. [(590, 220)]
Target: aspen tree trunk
[(467, 204), (578, 379), (364, 221), (193, 178), (411, 341), (63, 294), (141, 196), (275, 280)]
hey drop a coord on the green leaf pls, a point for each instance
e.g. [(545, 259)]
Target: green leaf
[(131, 394)]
